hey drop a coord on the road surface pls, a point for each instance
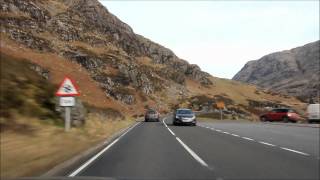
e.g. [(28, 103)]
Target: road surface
[(208, 151)]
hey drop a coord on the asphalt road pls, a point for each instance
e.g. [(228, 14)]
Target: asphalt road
[(156, 150)]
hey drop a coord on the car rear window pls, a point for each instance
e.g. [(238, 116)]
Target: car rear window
[(151, 112), (282, 110), (185, 111)]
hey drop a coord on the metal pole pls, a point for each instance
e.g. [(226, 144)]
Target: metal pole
[(67, 119), (220, 114)]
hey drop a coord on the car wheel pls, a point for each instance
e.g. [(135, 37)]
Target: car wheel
[(146, 120), (310, 121), (285, 119), (263, 119)]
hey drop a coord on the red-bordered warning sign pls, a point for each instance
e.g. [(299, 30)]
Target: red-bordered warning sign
[(67, 88)]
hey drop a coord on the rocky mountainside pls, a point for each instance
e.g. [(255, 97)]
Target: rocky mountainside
[(295, 72), (113, 66)]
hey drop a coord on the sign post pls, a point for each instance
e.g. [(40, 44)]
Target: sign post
[(67, 121), (66, 92), (221, 106)]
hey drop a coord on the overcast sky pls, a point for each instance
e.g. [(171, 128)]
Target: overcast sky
[(221, 36)]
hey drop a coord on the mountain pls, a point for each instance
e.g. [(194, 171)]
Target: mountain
[(114, 67), (295, 72)]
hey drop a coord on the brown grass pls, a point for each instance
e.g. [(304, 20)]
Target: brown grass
[(148, 62), (34, 152), (240, 93), (60, 67)]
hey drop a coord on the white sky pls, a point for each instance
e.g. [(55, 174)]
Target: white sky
[(221, 36)]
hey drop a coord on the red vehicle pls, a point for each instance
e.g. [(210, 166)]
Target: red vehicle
[(281, 114)]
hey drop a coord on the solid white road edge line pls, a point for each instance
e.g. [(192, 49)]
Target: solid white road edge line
[(295, 151), (92, 159), (225, 132), (266, 143), (74, 173), (129, 130), (193, 154)]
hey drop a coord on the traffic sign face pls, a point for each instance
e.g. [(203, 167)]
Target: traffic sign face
[(67, 101), (220, 105), (67, 88)]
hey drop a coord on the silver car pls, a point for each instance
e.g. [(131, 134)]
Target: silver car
[(184, 116), (151, 115)]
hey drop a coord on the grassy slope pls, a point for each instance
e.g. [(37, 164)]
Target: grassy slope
[(24, 92), (32, 135), (35, 151)]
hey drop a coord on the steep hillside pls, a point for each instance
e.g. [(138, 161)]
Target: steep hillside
[(295, 72), (114, 67), (24, 92)]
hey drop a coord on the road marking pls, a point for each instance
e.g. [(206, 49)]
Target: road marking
[(164, 122), (171, 131), (193, 154), (235, 135), (261, 142), (74, 173), (128, 130), (168, 127), (266, 143), (248, 138), (92, 159), (299, 152)]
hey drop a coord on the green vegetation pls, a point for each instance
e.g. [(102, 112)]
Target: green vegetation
[(24, 92)]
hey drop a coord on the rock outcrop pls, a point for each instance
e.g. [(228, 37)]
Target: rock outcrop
[(57, 26), (295, 72)]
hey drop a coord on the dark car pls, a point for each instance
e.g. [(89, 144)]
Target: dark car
[(281, 114), (151, 115), (184, 116)]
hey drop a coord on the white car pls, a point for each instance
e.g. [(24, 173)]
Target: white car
[(313, 113)]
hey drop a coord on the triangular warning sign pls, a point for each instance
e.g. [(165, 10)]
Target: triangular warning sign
[(67, 88)]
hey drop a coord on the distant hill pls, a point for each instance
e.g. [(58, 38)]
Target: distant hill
[(295, 72), (114, 67)]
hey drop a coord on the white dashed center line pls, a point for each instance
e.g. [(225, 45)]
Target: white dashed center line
[(193, 154), (248, 138), (171, 132), (261, 142), (235, 135), (168, 127), (266, 143)]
